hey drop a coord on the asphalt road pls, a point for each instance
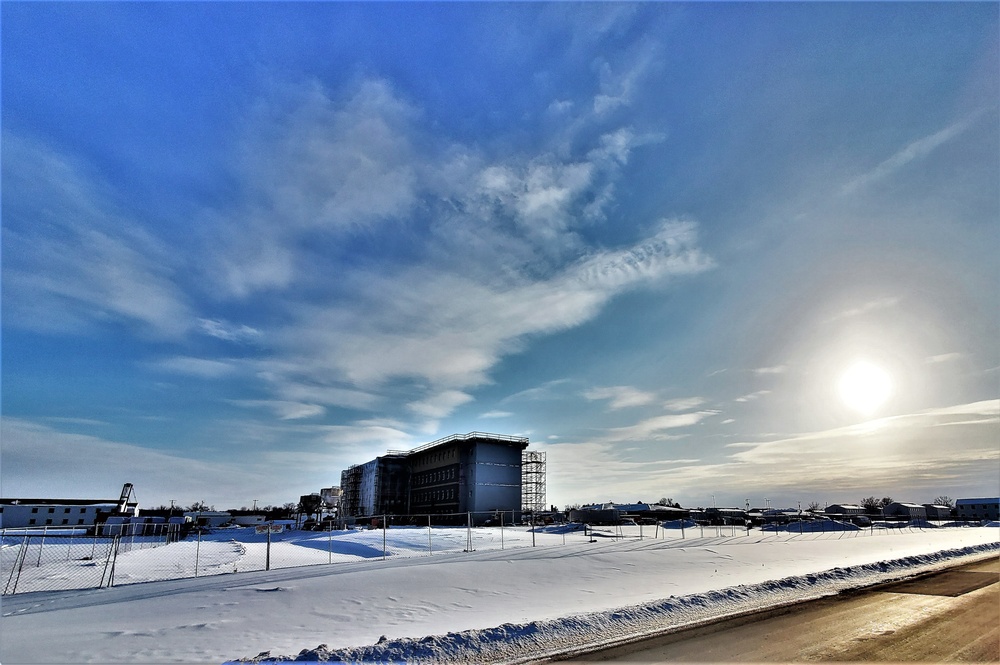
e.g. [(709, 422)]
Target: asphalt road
[(952, 616)]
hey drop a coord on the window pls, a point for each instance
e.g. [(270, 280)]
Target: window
[(48, 521), (52, 510), (34, 510), (66, 510), (65, 521), (80, 521), (31, 521), (83, 510)]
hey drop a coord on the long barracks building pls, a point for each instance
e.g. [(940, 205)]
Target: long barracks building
[(476, 473)]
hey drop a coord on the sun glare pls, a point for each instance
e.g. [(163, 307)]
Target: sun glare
[(864, 387)]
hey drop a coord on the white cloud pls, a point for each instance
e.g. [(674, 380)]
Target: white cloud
[(655, 428), (683, 403), (227, 331), (313, 162), (943, 358), (41, 461), (496, 414), (439, 405), (620, 397), (72, 260), (449, 330), (915, 150), (912, 457), (283, 410), (200, 367), (777, 369), (870, 306), (752, 396)]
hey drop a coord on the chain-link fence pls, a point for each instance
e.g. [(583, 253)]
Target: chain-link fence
[(55, 559), (49, 560)]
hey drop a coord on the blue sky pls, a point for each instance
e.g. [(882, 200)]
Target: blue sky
[(247, 245)]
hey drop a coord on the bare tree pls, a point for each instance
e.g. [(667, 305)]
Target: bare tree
[(886, 500), (944, 500), (814, 505), (870, 504)]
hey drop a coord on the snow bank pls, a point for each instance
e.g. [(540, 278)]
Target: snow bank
[(513, 643)]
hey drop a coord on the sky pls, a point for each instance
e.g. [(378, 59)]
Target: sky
[(711, 252)]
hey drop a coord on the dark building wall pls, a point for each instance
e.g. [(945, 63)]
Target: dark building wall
[(495, 476), (470, 473)]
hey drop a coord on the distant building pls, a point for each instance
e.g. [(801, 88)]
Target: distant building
[(331, 497), (978, 509), (209, 518), (843, 510), (19, 513), (910, 511), (614, 513), (476, 472), (937, 512)]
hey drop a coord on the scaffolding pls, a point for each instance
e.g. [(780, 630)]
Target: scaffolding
[(533, 481)]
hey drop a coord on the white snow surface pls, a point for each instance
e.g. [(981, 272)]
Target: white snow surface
[(512, 605)]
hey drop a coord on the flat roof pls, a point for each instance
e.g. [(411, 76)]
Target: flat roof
[(471, 436), (61, 502)]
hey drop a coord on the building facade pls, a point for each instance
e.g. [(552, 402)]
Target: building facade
[(463, 473), (20, 513), (978, 509), (910, 511)]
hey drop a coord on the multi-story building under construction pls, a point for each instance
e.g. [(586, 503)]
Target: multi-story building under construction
[(477, 473)]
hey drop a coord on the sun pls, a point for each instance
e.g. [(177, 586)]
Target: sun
[(864, 387)]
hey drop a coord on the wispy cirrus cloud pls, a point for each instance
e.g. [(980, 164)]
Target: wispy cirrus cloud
[(913, 151), (870, 306), (842, 463), (205, 368), (683, 403), (227, 331), (283, 410), (749, 397), (942, 358), (72, 259), (620, 397), (656, 428)]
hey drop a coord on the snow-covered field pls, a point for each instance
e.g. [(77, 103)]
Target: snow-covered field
[(491, 604)]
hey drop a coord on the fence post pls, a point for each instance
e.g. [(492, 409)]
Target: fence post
[(197, 552), (501, 529), (330, 544), (41, 546), (385, 527), (114, 562), (267, 556), (468, 532), (429, 550), (22, 553)]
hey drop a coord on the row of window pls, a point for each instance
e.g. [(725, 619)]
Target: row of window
[(49, 521), (439, 456), (432, 477), (428, 496), (52, 510)]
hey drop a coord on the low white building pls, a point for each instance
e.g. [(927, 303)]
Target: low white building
[(937, 512), (913, 511), (21, 513), (209, 518)]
